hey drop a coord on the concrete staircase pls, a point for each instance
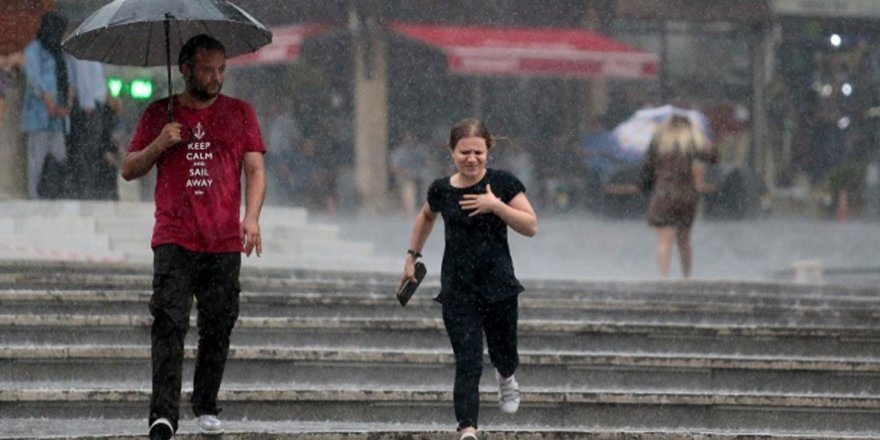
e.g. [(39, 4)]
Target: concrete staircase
[(106, 232), (330, 355)]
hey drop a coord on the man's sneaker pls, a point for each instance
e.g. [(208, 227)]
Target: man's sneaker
[(209, 424), (161, 429), (468, 436), (508, 393)]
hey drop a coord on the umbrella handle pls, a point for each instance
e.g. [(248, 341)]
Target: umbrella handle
[(168, 18)]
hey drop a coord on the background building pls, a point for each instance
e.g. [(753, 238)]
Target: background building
[(355, 79)]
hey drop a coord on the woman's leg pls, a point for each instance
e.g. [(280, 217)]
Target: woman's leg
[(464, 327), (499, 323), (683, 236), (664, 247)]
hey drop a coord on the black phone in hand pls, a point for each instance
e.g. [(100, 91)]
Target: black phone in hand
[(408, 287)]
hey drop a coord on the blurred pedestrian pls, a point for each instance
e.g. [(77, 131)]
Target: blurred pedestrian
[(518, 161), (283, 137), (105, 185), (91, 151), (198, 237), (407, 159), (673, 174), (46, 107), (310, 180), (479, 290)]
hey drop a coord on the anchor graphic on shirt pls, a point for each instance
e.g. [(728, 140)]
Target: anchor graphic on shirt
[(199, 131)]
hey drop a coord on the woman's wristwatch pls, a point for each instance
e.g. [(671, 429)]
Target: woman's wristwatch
[(416, 254)]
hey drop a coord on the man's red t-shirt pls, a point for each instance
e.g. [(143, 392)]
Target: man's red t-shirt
[(198, 185)]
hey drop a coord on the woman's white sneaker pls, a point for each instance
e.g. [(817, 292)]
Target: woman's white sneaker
[(508, 393), (209, 424)]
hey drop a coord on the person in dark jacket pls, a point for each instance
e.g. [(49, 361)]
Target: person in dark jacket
[(479, 291)]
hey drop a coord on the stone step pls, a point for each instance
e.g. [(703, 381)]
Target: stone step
[(329, 352), (275, 215), (302, 255), (60, 240), (127, 236), (135, 428), (307, 300), (126, 275), (533, 305), (102, 367), (284, 280), (276, 248), (730, 288), (122, 228), (354, 261), (560, 409), (421, 333), (305, 232), (33, 225), (353, 257), (47, 208), (129, 211), (7, 226), (124, 209), (112, 231), (37, 254), (376, 285), (712, 291)]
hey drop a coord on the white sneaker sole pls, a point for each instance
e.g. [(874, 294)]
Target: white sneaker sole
[(209, 432)]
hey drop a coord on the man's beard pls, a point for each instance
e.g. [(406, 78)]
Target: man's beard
[(202, 94)]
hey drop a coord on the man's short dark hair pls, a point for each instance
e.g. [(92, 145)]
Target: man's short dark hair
[(201, 41)]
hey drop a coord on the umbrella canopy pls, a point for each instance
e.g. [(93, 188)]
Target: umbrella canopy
[(634, 135), (148, 32), (287, 42), (132, 32), (533, 51)]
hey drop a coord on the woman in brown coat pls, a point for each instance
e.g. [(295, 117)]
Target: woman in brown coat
[(673, 174)]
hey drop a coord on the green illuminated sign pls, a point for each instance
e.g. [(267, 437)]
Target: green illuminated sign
[(115, 85), (137, 88), (141, 89)]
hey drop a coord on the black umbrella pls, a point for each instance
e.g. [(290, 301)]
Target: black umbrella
[(135, 32)]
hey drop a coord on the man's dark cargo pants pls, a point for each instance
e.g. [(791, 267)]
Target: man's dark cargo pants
[(178, 276)]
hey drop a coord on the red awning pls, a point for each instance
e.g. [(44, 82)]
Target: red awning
[(533, 51), (285, 46)]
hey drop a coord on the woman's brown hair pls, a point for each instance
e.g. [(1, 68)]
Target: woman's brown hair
[(467, 128)]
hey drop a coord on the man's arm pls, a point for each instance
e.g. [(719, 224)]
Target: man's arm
[(137, 163), (255, 191)]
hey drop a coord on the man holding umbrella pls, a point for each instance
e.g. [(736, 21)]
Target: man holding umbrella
[(198, 237)]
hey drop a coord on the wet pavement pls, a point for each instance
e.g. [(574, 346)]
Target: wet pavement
[(581, 246)]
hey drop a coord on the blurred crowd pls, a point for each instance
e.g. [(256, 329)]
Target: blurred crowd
[(68, 118)]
